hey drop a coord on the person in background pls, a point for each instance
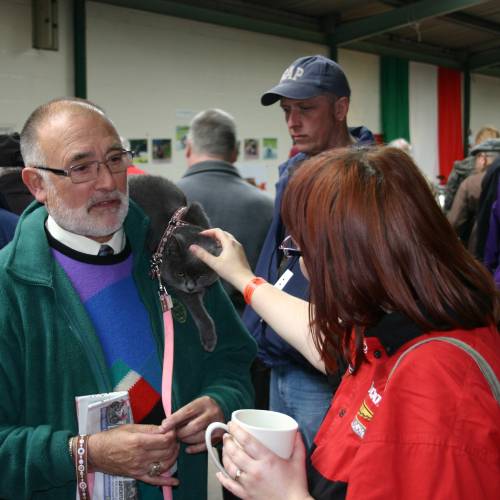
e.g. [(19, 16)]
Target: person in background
[(415, 315), (16, 195), (314, 95), (8, 222), (402, 144), (81, 315), (489, 194), (492, 246), (229, 201), (213, 181), (462, 215), (463, 168)]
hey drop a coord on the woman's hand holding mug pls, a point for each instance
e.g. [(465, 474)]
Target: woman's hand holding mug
[(264, 456)]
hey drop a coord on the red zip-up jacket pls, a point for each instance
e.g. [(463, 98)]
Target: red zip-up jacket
[(432, 433)]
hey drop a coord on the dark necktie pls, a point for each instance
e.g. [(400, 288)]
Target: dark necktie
[(105, 250)]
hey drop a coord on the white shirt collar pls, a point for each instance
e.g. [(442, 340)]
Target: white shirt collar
[(83, 244)]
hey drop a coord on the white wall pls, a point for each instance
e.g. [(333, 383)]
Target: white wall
[(153, 73), (166, 69), (485, 102), (29, 77), (423, 101), (362, 71)]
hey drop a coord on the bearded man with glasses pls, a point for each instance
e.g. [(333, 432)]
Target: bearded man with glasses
[(80, 315)]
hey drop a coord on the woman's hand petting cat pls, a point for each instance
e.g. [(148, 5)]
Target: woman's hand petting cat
[(190, 422), (231, 264), (263, 474)]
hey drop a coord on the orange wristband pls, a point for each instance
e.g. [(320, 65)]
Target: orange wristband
[(250, 288)]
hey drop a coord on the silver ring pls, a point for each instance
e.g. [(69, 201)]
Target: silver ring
[(237, 475), (154, 469)]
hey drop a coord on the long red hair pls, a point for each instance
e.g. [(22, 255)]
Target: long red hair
[(374, 240)]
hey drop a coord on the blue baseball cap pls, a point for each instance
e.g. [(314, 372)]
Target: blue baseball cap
[(308, 77)]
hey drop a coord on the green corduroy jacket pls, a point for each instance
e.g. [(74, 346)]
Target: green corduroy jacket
[(50, 353)]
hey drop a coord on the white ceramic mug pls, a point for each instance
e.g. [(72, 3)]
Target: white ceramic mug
[(273, 429)]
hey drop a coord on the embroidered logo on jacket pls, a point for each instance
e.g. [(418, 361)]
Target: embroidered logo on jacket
[(358, 427), (365, 412), (374, 395), (179, 312)]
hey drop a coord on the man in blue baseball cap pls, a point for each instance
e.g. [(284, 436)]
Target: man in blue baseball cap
[(314, 94)]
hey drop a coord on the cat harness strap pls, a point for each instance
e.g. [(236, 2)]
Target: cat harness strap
[(157, 257)]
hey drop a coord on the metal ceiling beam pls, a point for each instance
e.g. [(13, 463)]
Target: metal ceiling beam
[(460, 18), (406, 52), (485, 59), (231, 20), (397, 18), (474, 22), (494, 71), (408, 49)]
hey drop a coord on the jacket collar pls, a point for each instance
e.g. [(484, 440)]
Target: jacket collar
[(394, 330), (212, 166), (29, 256)]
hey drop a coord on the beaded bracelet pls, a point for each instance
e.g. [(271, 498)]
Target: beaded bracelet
[(81, 467), (250, 288)]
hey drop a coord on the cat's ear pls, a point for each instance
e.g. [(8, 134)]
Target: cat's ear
[(174, 245), (196, 215)]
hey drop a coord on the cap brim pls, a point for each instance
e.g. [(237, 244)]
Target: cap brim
[(474, 151), (291, 90)]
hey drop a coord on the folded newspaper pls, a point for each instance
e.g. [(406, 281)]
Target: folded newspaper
[(100, 412)]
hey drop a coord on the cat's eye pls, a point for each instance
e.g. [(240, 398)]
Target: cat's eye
[(180, 275)]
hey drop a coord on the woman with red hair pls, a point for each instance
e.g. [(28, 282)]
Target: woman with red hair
[(395, 294)]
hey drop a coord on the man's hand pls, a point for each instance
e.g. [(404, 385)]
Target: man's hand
[(130, 450), (191, 420)]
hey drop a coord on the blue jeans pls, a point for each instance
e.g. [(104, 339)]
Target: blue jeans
[(302, 394)]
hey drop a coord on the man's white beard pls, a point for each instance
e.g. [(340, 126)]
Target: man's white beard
[(81, 221)]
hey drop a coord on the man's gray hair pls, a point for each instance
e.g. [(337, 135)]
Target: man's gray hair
[(213, 132), (30, 145)]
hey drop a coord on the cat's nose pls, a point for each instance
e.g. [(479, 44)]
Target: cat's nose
[(190, 285)]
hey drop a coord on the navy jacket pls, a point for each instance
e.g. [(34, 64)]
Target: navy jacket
[(274, 351), (488, 196), (8, 222)]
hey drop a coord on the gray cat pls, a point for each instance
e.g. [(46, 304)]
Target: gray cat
[(180, 269)]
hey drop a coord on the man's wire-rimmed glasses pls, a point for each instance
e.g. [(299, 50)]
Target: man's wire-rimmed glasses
[(87, 171)]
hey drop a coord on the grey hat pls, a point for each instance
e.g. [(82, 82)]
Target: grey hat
[(308, 77), (488, 146)]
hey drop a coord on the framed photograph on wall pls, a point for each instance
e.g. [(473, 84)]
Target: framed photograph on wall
[(251, 149), (162, 150), (140, 149), (269, 148), (181, 133)]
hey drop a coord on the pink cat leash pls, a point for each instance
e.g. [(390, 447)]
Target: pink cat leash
[(168, 324)]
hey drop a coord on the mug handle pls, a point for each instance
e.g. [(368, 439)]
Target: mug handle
[(210, 449)]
